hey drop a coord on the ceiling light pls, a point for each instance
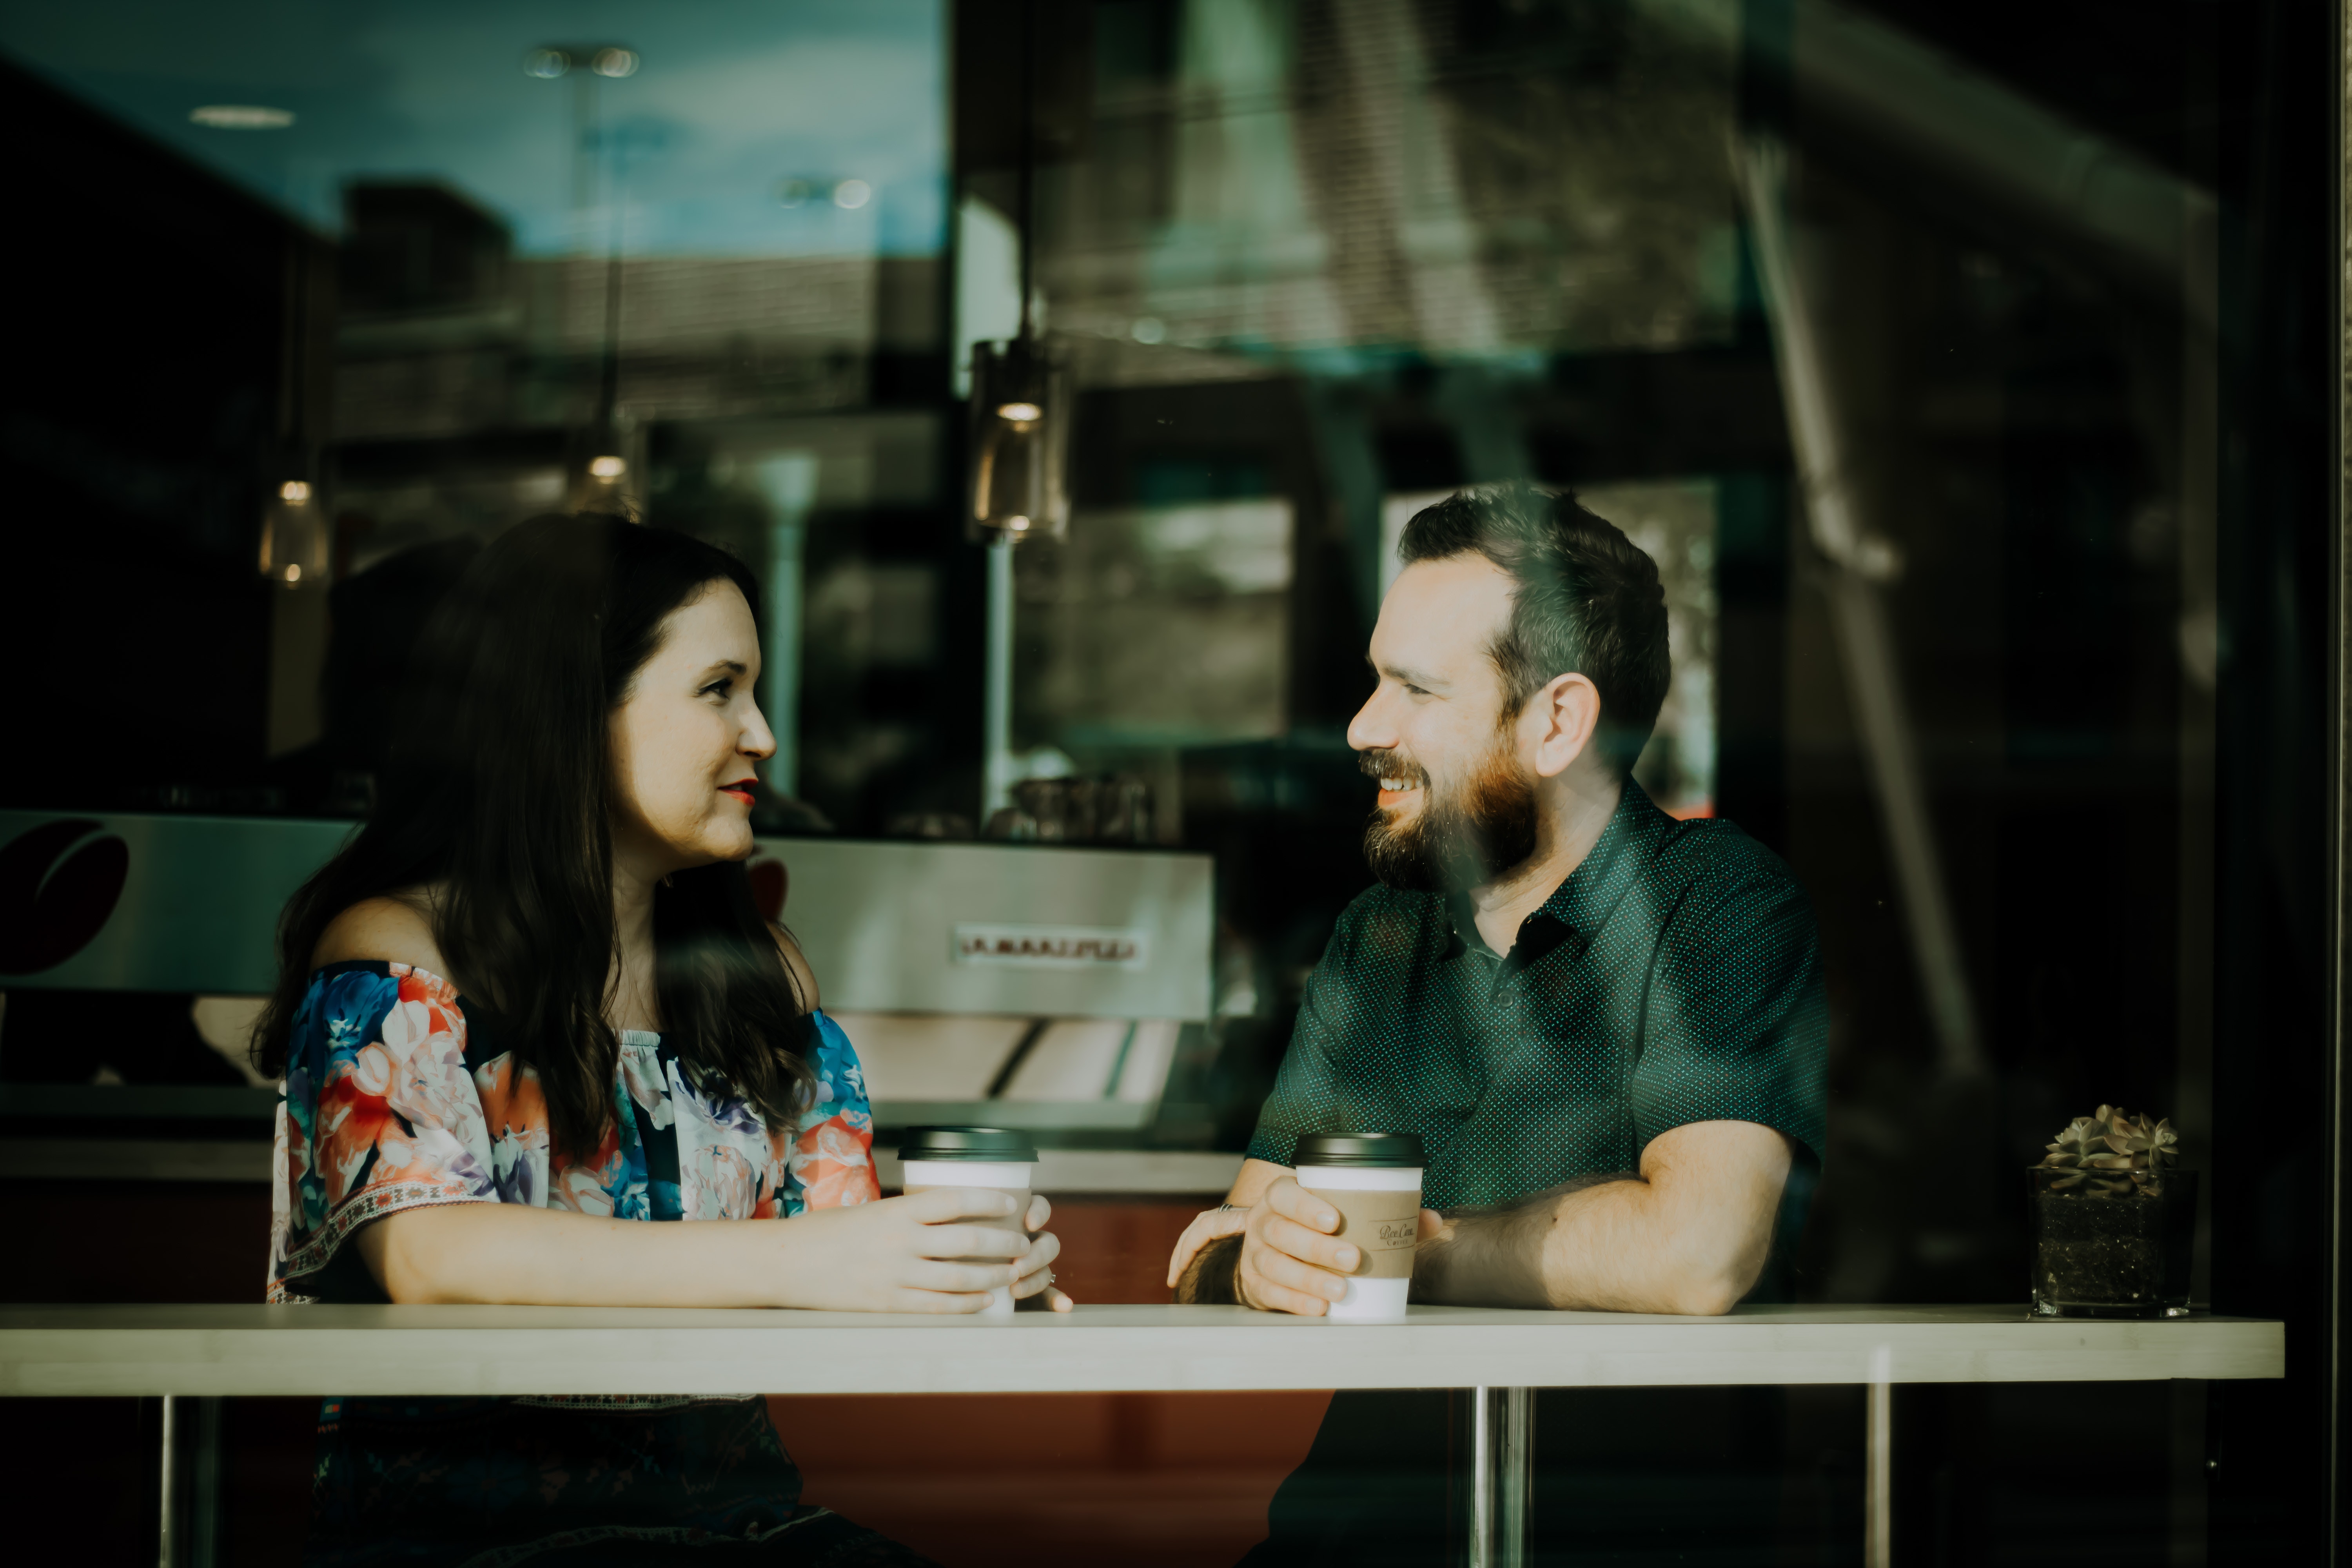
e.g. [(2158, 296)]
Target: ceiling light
[(241, 117), (613, 60), (607, 468), (546, 64), (793, 193), (1019, 420), (852, 193), (293, 573), (294, 492)]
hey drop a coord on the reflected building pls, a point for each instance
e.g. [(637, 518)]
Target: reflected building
[(2028, 679)]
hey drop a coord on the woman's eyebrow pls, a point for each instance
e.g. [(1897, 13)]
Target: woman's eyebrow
[(736, 666)]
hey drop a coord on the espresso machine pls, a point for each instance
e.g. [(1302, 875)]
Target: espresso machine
[(1043, 986)]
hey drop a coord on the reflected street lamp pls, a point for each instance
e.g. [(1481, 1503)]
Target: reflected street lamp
[(586, 64)]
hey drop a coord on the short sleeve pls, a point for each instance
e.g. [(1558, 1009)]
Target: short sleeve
[(1736, 1025), (831, 1161), (379, 1114), (1306, 1096)]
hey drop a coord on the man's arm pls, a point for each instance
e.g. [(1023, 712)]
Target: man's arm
[(1689, 1235), (1206, 1264)]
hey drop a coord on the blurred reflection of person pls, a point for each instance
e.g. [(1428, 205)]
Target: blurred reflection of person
[(372, 620), (79, 1036), (531, 1007), (1607, 1025)]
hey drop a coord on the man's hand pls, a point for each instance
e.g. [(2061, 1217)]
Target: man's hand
[(1219, 1225), (1208, 1225), (1270, 1248), (1277, 1256), (1291, 1261)]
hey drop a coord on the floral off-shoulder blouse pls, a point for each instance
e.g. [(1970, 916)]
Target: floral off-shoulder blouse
[(396, 1099), (392, 1102)]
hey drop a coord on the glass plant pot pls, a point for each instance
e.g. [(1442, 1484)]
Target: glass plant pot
[(2112, 1244)]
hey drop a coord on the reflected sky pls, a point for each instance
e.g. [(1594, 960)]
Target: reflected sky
[(734, 99)]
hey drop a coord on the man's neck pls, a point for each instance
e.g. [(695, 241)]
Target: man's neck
[(1576, 811)]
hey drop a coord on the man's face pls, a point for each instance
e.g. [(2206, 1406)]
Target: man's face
[(1458, 802)]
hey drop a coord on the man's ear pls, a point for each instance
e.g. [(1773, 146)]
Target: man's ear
[(1563, 714)]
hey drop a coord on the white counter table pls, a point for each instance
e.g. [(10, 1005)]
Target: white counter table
[(207, 1351)]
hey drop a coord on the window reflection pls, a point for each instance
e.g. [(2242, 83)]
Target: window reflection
[(1957, 367)]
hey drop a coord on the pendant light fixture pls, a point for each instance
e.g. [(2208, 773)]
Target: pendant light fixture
[(1020, 410)]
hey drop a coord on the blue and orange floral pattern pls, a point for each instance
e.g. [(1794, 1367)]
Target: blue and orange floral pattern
[(389, 1105)]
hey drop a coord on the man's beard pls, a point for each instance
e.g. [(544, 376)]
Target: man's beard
[(1466, 839)]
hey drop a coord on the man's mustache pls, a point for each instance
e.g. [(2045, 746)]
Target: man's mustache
[(1391, 764)]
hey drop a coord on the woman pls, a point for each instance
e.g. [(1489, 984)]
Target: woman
[(531, 1005)]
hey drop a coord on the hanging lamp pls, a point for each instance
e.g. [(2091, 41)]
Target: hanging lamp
[(1019, 408)]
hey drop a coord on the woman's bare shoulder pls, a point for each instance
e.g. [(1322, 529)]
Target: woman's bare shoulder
[(804, 977), (395, 929)]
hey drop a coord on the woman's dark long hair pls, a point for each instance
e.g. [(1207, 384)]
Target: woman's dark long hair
[(496, 794)]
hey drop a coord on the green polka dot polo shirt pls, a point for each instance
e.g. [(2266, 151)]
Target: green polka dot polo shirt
[(1674, 977)]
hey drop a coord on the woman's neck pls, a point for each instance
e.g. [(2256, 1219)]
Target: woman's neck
[(632, 1003)]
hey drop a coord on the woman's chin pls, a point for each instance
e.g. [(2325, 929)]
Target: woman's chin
[(730, 841), (718, 841)]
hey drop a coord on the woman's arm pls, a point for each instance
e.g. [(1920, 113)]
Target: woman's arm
[(886, 1257), (890, 1255)]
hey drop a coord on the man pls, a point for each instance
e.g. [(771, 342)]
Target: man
[(1606, 1026)]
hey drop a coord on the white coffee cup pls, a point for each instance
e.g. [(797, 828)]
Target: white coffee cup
[(974, 1157), (1373, 1179)]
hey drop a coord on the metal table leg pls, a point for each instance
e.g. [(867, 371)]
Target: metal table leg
[(187, 1528), (1502, 1453), (1878, 1505), (166, 1540)]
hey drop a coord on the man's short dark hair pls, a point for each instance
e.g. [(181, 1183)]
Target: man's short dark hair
[(1588, 602)]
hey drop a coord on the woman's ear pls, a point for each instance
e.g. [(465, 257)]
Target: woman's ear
[(1565, 713)]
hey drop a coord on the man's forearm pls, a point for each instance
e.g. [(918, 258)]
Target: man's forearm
[(1494, 1256), (1658, 1242), (1688, 1234)]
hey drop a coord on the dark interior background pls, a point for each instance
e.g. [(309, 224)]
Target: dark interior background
[(169, 353)]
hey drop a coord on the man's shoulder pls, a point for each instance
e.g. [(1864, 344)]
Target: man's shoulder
[(1381, 922), (1711, 858), (1381, 906)]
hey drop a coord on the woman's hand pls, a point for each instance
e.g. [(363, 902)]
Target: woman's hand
[(1036, 1272), (913, 1254)]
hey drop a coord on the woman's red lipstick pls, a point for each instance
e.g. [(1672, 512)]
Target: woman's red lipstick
[(740, 789)]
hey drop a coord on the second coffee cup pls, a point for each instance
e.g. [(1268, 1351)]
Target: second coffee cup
[(1373, 1179), (991, 1157)]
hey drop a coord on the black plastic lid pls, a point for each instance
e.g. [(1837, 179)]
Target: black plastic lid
[(1388, 1151), (995, 1145)]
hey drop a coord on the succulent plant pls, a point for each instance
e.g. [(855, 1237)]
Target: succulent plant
[(2113, 1152)]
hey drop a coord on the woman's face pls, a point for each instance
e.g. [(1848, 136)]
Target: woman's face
[(686, 739)]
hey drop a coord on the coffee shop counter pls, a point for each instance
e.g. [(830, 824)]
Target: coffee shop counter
[(254, 1349), (1501, 1357)]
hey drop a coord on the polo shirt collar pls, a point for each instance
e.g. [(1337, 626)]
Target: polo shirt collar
[(1584, 898)]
